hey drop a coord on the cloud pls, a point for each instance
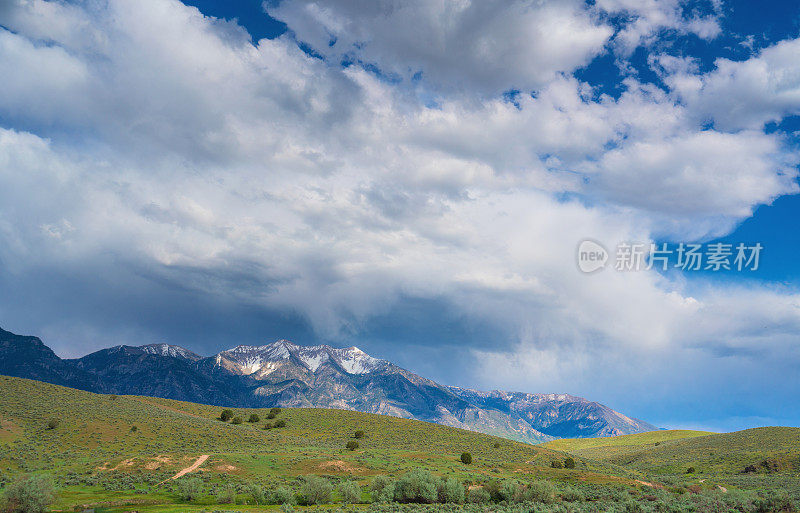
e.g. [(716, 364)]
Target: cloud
[(157, 167)]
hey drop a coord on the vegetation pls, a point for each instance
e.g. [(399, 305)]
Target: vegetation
[(466, 458), (98, 461), (352, 445), (254, 418), (30, 495)]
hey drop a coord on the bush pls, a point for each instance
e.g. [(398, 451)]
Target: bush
[(541, 491), (281, 423), (569, 463), (267, 426), (358, 434), (226, 415), (134, 429), (258, 493), (690, 470), (189, 488), (271, 416), (466, 458), (226, 495), (496, 445), (556, 464), (236, 420), (382, 489), (350, 492), (316, 490), (416, 486), (53, 424), (275, 411), (283, 495), (31, 495), (450, 491), (254, 418), (478, 495), (352, 445)]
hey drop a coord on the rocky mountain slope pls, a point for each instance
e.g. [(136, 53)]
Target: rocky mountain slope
[(290, 375)]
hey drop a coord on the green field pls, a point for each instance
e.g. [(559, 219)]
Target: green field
[(121, 453)]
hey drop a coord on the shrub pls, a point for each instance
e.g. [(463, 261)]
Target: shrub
[(358, 434), (466, 458), (478, 495), (271, 416), (690, 470), (258, 493), (351, 492), (316, 490), (189, 488), (450, 491), (382, 489), (281, 423), (541, 491), (352, 445), (275, 411), (53, 424), (268, 425), (496, 445), (31, 495), (556, 464), (569, 463), (254, 418), (416, 486), (226, 494), (226, 415), (236, 420), (283, 495), (134, 429), (571, 494), (508, 491)]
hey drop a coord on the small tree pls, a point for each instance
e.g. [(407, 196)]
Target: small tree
[(496, 445), (254, 418), (275, 411), (352, 445), (237, 420), (416, 486), (690, 470), (466, 458), (31, 495), (52, 424), (226, 494), (134, 429), (350, 492), (279, 424), (189, 488), (556, 464), (382, 489), (316, 490), (258, 493), (569, 463), (226, 415), (358, 434), (478, 495), (268, 426)]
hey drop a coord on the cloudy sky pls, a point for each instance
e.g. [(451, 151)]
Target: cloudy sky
[(414, 177)]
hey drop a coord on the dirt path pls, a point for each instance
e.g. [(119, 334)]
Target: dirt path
[(194, 466), (722, 489)]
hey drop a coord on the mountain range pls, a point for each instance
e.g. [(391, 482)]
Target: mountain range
[(291, 375)]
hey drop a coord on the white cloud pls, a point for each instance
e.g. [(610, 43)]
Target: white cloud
[(168, 146)]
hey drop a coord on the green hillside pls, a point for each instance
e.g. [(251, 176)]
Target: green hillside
[(121, 453)]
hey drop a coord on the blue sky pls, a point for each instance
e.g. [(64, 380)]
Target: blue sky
[(414, 179)]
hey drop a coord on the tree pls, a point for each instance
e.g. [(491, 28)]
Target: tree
[(352, 445), (556, 464), (496, 445), (258, 493), (275, 411), (53, 424), (279, 424), (358, 434), (316, 490), (267, 426), (690, 470), (466, 458), (237, 420), (226, 415), (569, 463), (31, 495), (226, 494), (189, 488), (350, 492), (134, 429), (254, 418)]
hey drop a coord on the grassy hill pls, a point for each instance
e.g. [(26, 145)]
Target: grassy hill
[(638, 440), (117, 448)]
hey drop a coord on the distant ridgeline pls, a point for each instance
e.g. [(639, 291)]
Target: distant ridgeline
[(288, 375)]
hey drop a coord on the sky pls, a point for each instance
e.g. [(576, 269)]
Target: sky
[(415, 178)]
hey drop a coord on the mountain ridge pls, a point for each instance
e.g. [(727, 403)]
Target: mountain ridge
[(286, 374)]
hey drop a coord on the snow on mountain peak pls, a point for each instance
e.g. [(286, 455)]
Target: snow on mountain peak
[(169, 350)]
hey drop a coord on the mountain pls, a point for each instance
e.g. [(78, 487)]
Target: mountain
[(291, 375)]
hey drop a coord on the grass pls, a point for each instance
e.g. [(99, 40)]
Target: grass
[(651, 438)]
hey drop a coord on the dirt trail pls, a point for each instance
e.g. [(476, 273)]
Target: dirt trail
[(194, 466), (723, 489)]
